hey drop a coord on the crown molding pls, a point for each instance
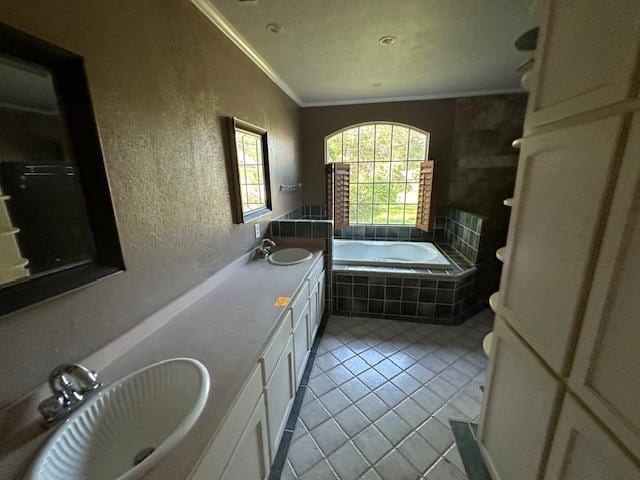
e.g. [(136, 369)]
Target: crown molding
[(413, 98), (214, 15)]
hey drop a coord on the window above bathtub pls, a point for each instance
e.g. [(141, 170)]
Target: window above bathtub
[(389, 178)]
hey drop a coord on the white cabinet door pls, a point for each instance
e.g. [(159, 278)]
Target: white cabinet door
[(582, 450), (605, 368), (280, 392), (520, 402), (563, 185), (250, 460), (301, 344), (587, 56), (321, 299), (277, 344), (228, 436), (313, 315)]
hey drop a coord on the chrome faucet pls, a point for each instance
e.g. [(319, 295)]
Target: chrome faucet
[(71, 386), (265, 247)]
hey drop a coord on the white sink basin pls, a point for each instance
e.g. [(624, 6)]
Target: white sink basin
[(289, 256), (113, 434)]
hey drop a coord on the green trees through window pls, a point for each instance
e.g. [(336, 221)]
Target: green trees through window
[(384, 162), (250, 170)]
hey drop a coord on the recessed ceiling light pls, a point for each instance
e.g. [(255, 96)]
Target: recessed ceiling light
[(387, 40), (376, 84), (274, 28)]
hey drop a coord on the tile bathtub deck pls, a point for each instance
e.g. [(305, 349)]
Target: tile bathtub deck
[(379, 399)]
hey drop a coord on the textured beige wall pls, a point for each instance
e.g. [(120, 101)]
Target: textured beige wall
[(161, 76), (434, 116)]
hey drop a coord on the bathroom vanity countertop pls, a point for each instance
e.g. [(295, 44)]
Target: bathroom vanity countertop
[(227, 330)]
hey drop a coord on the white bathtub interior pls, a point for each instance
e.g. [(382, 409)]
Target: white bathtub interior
[(388, 254)]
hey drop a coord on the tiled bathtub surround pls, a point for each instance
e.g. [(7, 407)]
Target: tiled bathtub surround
[(301, 227), (404, 233), (380, 396), (411, 298), (461, 230), (459, 265), (306, 212), (456, 301), (457, 233), (464, 232), (308, 222)]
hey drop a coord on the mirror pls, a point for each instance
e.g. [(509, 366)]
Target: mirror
[(249, 170), (43, 218), (57, 228)]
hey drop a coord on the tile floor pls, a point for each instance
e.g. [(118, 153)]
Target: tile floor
[(379, 398)]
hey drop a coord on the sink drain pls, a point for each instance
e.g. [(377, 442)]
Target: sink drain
[(142, 455)]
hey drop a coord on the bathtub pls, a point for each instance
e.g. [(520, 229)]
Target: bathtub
[(388, 254)]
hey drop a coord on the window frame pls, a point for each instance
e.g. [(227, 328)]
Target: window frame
[(235, 124), (390, 162)]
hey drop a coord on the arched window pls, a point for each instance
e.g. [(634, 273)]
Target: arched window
[(384, 169)]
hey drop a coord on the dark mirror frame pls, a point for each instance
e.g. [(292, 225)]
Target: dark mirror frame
[(76, 111), (234, 178)]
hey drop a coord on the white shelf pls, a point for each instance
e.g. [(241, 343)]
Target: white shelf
[(526, 81), (11, 231), (508, 202), (5, 197), (487, 343), (494, 300), (500, 253)]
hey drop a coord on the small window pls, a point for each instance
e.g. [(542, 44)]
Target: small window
[(250, 167), (386, 161)]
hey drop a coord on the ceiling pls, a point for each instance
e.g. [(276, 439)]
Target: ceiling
[(329, 52)]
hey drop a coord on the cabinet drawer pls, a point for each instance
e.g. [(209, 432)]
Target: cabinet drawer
[(299, 303), (275, 348), (225, 440)]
